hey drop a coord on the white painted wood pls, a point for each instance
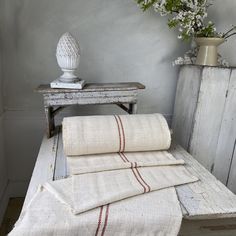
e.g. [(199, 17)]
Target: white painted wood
[(104, 93), (232, 173), (227, 137), (90, 98), (185, 103), (211, 129), (222, 227), (61, 168), (207, 198), (208, 116), (93, 87), (44, 166)]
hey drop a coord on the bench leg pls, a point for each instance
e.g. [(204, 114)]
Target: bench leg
[(133, 108), (50, 123)]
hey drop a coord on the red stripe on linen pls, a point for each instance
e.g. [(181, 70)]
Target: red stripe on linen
[(125, 157), (148, 186), (118, 126), (122, 157), (138, 173), (106, 220), (123, 132), (136, 176), (99, 220)]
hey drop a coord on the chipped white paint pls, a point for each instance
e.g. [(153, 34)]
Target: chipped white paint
[(204, 118), (185, 103), (208, 116), (44, 167), (104, 93)]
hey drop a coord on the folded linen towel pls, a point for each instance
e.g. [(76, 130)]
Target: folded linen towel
[(109, 134), (114, 161), (97, 197), (154, 214), (92, 190)]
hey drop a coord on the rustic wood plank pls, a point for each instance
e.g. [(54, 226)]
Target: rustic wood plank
[(185, 103), (227, 137), (208, 115), (113, 97), (222, 227), (91, 87), (207, 198), (61, 170), (232, 173), (92, 94), (44, 166)]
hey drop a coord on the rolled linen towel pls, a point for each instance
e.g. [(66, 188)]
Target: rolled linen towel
[(119, 133)]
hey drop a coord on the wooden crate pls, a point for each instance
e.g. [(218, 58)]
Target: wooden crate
[(204, 121)]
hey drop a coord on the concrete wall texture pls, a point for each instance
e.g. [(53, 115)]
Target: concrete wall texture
[(119, 43)]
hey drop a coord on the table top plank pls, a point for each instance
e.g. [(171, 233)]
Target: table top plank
[(61, 168), (93, 87), (44, 166), (207, 198)]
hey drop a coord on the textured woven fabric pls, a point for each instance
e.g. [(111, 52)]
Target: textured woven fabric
[(109, 134), (113, 161), (90, 204), (96, 189), (155, 214)]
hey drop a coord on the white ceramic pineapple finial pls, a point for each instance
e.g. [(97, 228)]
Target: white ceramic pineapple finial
[(68, 57)]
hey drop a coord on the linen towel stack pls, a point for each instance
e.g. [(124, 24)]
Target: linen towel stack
[(116, 161), (92, 190)]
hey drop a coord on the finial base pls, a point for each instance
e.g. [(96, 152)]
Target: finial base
[(77, 84)]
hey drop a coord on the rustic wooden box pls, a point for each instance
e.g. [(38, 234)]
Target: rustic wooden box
[(204, 121)]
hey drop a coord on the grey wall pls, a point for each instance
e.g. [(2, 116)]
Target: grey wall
[(223, 14), (3, 164), (119, 43)]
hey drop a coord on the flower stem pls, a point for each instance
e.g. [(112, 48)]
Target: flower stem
[(230, 35)]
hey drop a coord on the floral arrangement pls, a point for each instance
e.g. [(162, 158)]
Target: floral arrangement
[(190, 57), (190, 16)]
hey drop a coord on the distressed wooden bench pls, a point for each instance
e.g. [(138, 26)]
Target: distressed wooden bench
[(119, 94), (208, 207)]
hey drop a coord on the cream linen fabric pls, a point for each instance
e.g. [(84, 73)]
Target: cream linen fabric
[(154, 214), (113, 194), (73, 206), (109, 134), (113, 161), (96, 189)]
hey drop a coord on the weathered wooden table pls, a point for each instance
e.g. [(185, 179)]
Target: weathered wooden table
[(208, 207), (102, 93)]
